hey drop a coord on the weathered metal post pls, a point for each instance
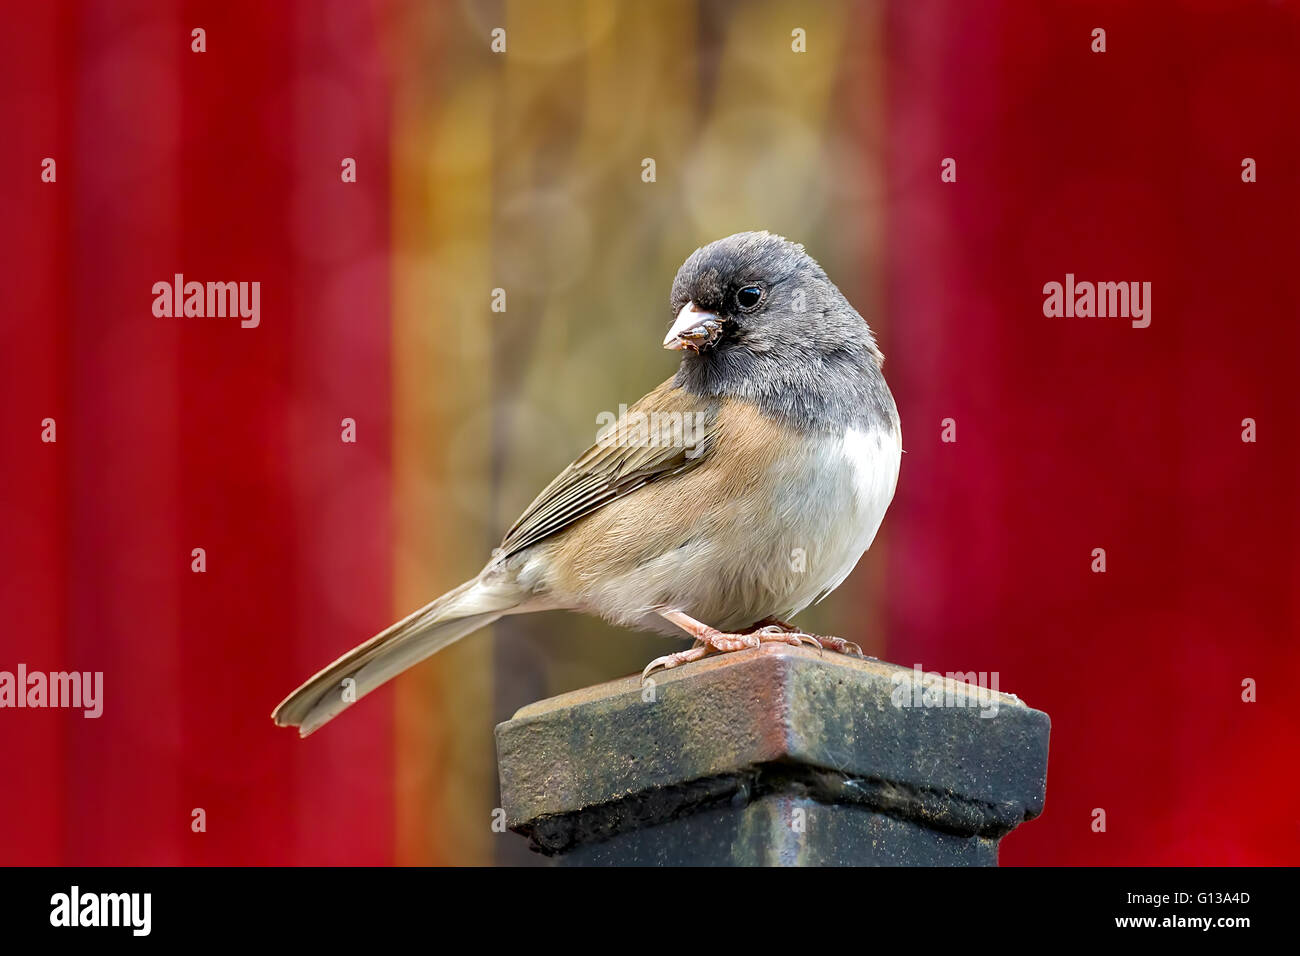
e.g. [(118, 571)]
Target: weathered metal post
[(777, 756)]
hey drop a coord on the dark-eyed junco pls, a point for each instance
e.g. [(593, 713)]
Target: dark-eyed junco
[(728, 499)]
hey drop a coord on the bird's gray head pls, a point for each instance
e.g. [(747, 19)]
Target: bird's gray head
[(757, 318), (755, 293)]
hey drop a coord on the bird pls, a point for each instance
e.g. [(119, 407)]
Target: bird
[(724, 502)]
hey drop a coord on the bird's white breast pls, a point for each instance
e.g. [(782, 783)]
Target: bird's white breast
[(856, 477)]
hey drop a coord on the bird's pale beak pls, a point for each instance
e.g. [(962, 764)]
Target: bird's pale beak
[(693, 329)]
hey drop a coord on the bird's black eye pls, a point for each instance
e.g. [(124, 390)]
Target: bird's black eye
[(749, 297)]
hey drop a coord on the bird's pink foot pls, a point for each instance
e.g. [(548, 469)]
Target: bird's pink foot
[(777, 635), (840, 646), (710, 639), (837, 644)]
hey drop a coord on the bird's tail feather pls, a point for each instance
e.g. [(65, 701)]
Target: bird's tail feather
[(404, 644)]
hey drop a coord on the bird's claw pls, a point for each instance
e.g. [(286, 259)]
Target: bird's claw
[(669, 661), (665, 662), (841, 646)]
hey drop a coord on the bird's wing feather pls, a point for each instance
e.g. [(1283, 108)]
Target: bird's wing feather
[(667, 432)]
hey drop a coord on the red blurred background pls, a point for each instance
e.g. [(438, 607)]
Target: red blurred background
[(1072, 433)]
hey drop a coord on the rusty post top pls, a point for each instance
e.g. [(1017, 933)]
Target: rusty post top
[(947, 754)]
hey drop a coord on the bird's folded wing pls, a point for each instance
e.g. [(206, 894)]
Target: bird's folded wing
[(667, 432)]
